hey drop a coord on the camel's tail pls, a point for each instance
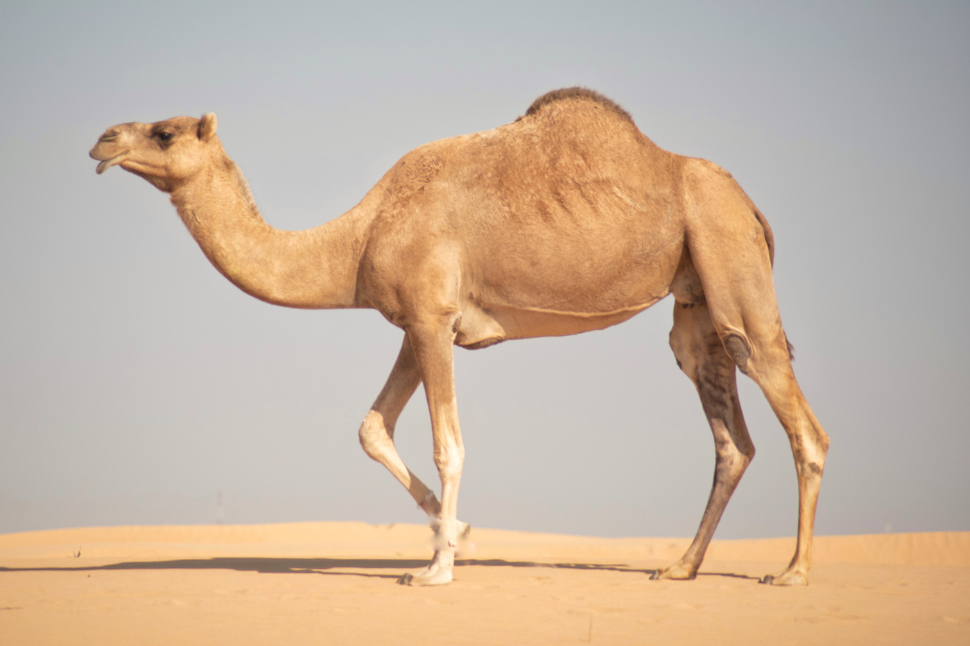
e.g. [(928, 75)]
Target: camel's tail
[(770, 241), (769, 237)]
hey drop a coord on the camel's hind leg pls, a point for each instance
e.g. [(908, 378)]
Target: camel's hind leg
[(702, 358), (728, 250), (809, 444), (769, 364)]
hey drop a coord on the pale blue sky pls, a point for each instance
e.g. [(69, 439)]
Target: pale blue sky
[(135, 382)]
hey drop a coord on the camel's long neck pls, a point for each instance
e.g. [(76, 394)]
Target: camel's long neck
[(316, 268)]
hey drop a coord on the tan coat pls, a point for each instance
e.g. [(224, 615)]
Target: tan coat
[(569, 219)]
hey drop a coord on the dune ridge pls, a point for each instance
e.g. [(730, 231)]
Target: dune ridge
[(362, 539)]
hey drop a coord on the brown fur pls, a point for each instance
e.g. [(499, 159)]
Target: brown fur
[(542, 227)]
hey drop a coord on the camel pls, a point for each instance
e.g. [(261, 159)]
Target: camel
[(564, 221)]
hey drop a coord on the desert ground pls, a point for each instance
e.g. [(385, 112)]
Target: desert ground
[(336, 583)]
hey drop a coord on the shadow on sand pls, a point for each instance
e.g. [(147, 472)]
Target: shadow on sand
[(334, 567)]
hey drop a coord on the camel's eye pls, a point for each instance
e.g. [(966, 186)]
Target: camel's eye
[(166, 137)]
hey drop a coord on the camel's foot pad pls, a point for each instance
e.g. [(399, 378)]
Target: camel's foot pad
[(786, 578), (430, 575), (676, 572)]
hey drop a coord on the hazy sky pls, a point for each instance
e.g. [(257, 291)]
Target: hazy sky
[(136, 382)]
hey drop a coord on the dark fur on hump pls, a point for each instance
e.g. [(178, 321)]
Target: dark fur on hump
[(576, 93)]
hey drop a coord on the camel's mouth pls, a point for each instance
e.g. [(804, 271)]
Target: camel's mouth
[(108, 163)]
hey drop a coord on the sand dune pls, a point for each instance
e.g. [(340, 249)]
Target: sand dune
[(239, 585)]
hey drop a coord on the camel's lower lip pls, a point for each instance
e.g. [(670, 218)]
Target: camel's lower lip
[(108, 163)]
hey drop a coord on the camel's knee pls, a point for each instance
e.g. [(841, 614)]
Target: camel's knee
[(374, 436), (449, 461)]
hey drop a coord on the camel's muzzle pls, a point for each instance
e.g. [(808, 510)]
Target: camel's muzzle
[(105, 151)]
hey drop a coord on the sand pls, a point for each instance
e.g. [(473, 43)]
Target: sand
[(335, 583)]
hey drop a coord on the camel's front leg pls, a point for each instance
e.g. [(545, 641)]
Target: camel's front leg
[(377, 431), (433, 348)]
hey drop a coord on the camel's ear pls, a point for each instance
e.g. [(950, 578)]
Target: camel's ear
[(207, 126)]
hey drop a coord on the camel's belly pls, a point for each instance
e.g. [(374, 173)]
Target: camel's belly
[(481, 327)]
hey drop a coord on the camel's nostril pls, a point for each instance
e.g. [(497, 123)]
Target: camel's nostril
[(108, 136)]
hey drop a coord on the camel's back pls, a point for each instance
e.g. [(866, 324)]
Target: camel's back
[(568, 209)]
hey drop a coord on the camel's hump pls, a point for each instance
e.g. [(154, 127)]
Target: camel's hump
[(577, 93)]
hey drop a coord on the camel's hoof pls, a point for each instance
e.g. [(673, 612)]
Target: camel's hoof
[(428, 576), (786, 578), (676, 572)]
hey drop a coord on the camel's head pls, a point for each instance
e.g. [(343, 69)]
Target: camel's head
[(166, 153)]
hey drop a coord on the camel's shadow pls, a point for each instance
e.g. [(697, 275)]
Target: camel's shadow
[(337, 566)]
